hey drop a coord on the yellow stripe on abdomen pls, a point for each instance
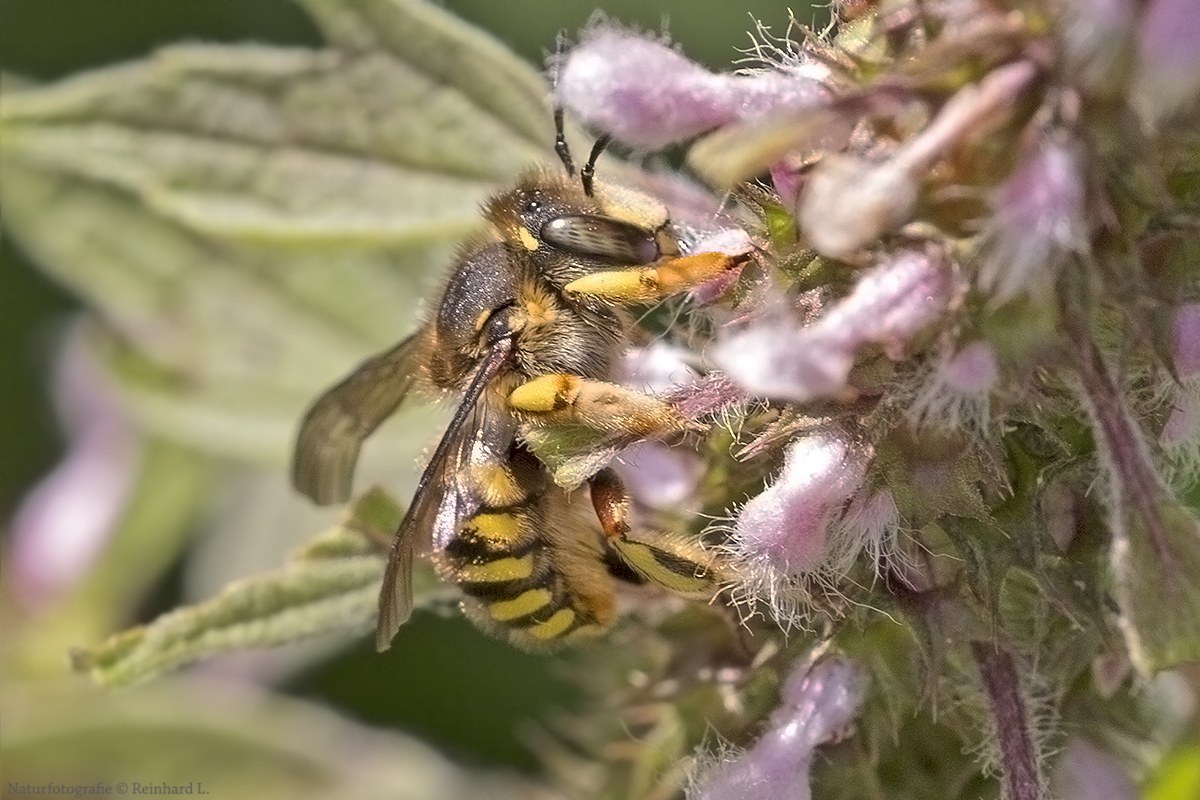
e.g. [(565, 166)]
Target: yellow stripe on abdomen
[(554, 627), (501, 570), (497, 529), (522, 605)]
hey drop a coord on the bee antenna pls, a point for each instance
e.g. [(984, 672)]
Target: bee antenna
[(588, 173), (560, 142)]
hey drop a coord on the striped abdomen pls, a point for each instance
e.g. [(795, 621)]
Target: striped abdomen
[(527, 565)]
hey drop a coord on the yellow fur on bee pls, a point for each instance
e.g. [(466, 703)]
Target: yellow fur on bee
[(527, 239), (496, 484), (544, 393)]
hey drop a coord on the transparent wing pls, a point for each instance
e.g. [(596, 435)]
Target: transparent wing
[(333, 430), (439, 478)]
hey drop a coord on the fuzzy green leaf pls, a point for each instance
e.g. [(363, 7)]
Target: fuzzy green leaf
[(330, 586), (217, 739), (250, 220), (1156, 588)]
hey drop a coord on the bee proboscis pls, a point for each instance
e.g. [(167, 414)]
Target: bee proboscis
[(528, 326)]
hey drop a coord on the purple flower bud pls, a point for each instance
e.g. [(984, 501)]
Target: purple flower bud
[(889, 305), (1085, 772), (1183, 424), (649, 95), (1038, 217), (1097, 39), (786, 526), (656, 367), (1180, 435), (956, 395), (871, 523), (787, 182), (1185, 341), (810, 524), (781, 359), (1168, 77), (658, 476), (65, 521), (817, 705), (848, 201)]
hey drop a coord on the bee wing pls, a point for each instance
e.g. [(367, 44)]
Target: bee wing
[(340, 420), (439, 477)]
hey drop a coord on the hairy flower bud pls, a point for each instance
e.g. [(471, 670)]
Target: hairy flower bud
[(817, 704), (1038, 217), (647, 94), (1185, 341), (888, 306), (1085, 772), (956, 394), (68, 517), (1168, 76), (809, 524)]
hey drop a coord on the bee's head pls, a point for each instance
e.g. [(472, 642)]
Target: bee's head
[(567, 233), (522, 212)]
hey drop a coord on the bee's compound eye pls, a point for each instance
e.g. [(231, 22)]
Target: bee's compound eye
[(604, 238)]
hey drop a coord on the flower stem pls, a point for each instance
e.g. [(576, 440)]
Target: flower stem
[(1018, 754)]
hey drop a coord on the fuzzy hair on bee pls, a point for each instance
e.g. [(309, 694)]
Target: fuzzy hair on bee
[(527, 329)]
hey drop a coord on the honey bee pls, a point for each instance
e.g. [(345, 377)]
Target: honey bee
[(527, 329)]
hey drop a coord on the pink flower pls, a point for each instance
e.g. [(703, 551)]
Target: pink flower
[(1039, 217), (647, 94), (956, 394), (811, 523), (817, 704), (1168, 75), (66, 520), (1085, 772), (1185, 341), (890, 304)]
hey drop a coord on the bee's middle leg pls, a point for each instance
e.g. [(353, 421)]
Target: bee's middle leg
[(563, 399)]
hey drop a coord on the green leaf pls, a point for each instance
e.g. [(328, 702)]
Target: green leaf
[(330, 586), (572, 453), (1156, 583), (251, 221), (223, 741), (440, 45), (1178, 775)]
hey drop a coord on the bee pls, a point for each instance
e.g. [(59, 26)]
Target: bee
[(527, 330)]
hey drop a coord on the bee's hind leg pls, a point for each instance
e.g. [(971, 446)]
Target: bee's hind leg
[(675, 563)]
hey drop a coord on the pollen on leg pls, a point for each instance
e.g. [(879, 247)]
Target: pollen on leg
[(545, 393)]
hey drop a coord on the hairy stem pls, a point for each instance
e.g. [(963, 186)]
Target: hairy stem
[(1018, 754), (1133, 476)]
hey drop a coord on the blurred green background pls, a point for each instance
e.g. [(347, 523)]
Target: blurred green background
[(431, 682)]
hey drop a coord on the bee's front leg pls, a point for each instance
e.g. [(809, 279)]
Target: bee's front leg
[(562, 399), (676, 563), (646, 284)]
